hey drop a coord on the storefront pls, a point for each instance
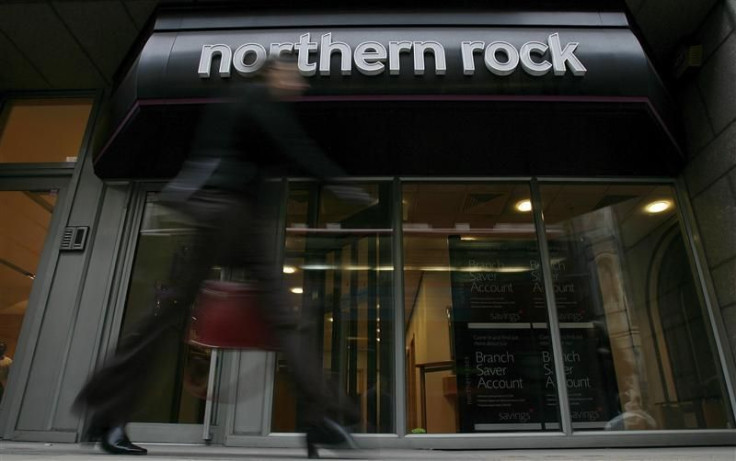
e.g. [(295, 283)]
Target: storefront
[(524, 276)]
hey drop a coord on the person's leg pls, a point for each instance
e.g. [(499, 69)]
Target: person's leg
[(112, 393), (322, 403)]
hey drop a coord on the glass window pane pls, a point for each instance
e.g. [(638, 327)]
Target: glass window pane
[(478, 357), (43, 130), (640, 309), (338, 268)]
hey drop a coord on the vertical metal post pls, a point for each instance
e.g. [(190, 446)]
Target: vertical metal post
[(272, 360), (211, 379), (554, 324), (397, 248), (694, 246), (372, 381), (225, 274), (353, 326)]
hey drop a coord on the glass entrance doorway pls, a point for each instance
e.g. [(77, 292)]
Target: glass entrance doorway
[(176, 392)]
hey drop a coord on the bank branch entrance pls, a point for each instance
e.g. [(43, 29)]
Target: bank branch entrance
[(526, 273)]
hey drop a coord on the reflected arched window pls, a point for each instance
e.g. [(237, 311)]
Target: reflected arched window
[(689, 374)]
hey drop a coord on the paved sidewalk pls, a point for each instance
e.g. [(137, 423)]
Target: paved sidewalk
[(23, 451)]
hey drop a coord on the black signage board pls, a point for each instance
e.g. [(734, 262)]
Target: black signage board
[(502, 350), (500, 380)]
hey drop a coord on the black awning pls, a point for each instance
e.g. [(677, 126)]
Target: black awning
[(506, 94)]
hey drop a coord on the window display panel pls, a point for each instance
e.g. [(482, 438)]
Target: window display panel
[(639, 309), (338, 269), (478, 356)]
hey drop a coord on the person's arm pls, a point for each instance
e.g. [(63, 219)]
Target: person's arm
[(281, 125)]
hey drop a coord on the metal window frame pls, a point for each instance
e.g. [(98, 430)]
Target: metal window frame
[(549, 294)]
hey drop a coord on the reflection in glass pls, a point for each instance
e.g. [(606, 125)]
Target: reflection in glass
[(478, 356), (623, 247), (178, 384), (338, 270)]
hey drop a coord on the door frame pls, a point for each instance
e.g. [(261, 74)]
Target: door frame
[(229, 418)]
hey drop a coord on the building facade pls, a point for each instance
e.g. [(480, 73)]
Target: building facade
[(547, 260)]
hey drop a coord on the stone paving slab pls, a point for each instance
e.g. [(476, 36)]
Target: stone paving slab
[(24, 451)]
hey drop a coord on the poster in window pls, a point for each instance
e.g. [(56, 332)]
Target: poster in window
[(503, 356)]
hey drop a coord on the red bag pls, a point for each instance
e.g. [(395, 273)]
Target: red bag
[(227, 315)]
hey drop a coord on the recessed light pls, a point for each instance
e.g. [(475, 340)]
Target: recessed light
[(658, 206), (297, 290), (524, 206)]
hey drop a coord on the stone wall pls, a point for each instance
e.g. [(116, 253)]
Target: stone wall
[(708, 102)]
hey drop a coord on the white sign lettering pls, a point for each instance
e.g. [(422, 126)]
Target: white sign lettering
[(370, 57)]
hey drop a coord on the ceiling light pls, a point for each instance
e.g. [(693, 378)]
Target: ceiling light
[(289, 269), (524, 206), (658, 206), (297, 290)]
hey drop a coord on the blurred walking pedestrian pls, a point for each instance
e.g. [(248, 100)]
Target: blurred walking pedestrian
[(224, 187)]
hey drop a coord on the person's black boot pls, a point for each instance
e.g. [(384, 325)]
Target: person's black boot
[(328, 434), (116, 442)]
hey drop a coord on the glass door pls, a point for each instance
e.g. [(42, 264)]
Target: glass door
[(174, 399), (340, 256)]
